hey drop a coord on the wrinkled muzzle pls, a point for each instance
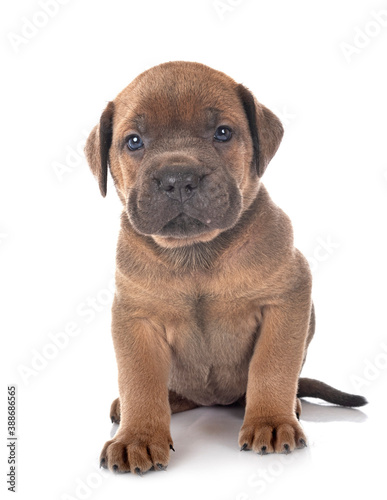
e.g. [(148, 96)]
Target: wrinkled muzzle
[(183, 201)]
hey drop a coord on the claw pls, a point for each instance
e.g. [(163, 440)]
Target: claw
[(244, 447), (171, 447), (263, 451), (161, 467), (303, 443), (286, 449), (137, 470), (115, 468), (102, 463)]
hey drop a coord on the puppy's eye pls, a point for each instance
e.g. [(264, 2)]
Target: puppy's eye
[(134, 142), (223, 134)]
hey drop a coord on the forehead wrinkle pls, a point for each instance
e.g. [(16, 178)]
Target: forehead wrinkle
[(154, 115), (177, 117), (139, 123), (212, 117), (128, 115)]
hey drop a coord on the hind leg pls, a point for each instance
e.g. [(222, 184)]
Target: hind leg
[(298, 408), (115, 411), (311, 330), (178, 404)]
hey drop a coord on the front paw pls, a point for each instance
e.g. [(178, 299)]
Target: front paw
[(280, 434), (137, 451)]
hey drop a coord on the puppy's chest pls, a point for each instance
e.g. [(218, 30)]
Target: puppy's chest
[(212, 320), (212, 340)]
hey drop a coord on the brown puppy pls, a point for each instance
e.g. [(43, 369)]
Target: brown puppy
[(213, 302)]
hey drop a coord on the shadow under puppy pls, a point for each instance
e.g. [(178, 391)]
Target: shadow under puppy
[(213, 302)]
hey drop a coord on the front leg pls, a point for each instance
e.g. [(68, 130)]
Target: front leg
[(270, 423), (143, 439)]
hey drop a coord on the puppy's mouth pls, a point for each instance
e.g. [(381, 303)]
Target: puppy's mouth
[(183, 226)]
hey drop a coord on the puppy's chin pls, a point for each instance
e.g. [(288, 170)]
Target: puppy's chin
[(171, 242), (183, 231)]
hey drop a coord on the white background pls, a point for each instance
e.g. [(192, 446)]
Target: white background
[(58, 235)]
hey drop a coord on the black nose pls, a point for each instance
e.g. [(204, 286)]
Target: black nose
[(178, 184)]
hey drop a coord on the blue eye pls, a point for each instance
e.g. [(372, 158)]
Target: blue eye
[(223, 134), (134, 142)]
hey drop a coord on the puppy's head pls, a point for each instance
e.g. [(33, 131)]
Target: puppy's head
[(186, 146)]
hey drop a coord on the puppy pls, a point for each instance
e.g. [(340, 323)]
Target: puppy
[(213, 302)]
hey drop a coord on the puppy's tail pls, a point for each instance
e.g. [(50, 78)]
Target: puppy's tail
[(310, 388)]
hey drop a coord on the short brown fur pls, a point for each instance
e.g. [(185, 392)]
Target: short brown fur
[(213, 302)]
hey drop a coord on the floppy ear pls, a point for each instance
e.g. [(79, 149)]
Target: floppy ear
[(98, 145), (265, 128)]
